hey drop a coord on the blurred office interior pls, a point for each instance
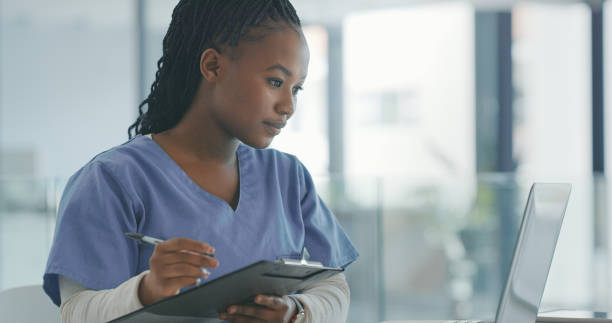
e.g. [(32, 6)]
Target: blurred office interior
[(423, 122)]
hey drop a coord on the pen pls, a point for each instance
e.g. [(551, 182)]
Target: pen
[(141, 238)]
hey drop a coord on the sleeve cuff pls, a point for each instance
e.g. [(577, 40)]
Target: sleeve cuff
[(129, 291)]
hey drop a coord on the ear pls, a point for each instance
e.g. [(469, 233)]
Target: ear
[(209, 64)]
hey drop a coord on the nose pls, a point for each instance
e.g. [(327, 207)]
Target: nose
[(286, 106)]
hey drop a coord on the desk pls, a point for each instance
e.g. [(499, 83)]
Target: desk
[(548, 320)]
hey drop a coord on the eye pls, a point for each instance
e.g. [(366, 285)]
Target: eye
[(276, 82), (297, 89)]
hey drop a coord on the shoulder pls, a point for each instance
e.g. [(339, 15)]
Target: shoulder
[(120, 162), (116, 172), (130, 153)]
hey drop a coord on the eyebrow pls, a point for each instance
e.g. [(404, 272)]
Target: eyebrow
[(282, 69), (279, 67)]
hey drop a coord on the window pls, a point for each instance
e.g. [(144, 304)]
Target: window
[(410, 91), (552, 132)]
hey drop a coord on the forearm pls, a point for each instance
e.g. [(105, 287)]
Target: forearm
[(326, 301), (101, 306)]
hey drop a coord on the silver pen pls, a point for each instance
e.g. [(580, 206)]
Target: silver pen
[(141, 238)]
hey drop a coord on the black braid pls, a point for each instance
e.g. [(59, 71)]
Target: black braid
[(196, 26)]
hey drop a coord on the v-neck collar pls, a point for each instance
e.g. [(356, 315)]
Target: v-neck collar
[(197, 188)]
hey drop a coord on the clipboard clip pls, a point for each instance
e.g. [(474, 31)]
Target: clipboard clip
[(301, 262)]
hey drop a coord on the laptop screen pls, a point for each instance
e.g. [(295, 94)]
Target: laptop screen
[(533, 253)]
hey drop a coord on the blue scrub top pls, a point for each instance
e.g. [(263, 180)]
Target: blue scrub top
[(137, 187)]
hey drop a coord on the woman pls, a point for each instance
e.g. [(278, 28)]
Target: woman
[(196, 175)]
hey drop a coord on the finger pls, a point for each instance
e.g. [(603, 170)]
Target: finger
[(181, 270), (251, 311), (272, 302), (188, 258), (178, 244)]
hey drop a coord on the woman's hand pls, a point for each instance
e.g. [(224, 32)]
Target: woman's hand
[(270, 309), (175, 263)]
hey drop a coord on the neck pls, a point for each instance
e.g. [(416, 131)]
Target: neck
[(198, 138)]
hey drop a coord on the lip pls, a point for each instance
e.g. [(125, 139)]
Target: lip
[(274, 128)]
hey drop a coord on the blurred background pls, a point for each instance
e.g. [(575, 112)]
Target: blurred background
[(423, 122)]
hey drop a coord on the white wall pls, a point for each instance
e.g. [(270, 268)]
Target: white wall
[(68, 81)]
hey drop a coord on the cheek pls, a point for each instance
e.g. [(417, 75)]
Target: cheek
[(251, 98), (240, 100), (243, 105)]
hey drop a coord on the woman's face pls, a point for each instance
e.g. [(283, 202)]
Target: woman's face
[(256, 92)]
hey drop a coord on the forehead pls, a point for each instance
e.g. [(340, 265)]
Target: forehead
[(285, 46)]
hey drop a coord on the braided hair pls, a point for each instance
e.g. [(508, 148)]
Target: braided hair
[(196, 26)]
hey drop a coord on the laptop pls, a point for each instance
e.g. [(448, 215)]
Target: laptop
[(533, 254)]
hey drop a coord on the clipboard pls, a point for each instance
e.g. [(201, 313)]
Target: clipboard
[(204, 302)]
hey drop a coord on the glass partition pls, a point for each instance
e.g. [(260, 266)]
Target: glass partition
[(442, 250), (27, 222)]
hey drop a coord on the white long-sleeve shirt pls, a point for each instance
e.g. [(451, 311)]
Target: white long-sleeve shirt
[(326, 301)]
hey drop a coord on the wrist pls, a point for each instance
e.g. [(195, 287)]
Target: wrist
[(144, 294)]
